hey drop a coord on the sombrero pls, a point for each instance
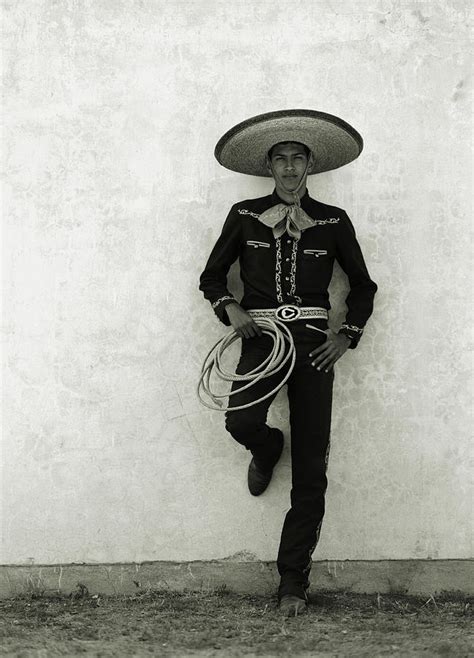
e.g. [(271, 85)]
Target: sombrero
[(333, 141)]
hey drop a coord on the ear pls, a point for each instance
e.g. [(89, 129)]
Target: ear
[(311, 160), (268, 165)]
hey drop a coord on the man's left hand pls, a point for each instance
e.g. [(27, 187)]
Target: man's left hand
[(329, 352)]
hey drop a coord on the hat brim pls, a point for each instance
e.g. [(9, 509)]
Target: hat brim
[(333, 141)]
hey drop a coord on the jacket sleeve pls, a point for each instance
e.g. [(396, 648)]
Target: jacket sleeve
[(213, 280), (360, 299)]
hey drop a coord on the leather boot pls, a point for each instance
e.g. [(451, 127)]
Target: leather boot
[(260, 472)]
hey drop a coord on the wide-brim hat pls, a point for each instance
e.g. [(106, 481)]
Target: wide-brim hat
[(333, 141)]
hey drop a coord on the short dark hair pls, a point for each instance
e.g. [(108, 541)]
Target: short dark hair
[(307, 150)]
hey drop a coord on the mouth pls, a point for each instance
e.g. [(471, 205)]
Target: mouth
[(290, 181)]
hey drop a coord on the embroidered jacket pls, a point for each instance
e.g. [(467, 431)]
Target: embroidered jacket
[(287, 270)]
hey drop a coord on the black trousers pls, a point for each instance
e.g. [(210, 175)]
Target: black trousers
[(310, 402)]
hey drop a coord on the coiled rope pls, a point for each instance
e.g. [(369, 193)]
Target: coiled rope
[(283, 350)]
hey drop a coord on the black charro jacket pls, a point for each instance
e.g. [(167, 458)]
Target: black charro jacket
[(305, 268)]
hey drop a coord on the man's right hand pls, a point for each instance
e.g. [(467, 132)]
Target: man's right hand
[(242, 322)]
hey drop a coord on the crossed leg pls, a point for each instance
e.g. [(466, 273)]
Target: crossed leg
[(248, 426)]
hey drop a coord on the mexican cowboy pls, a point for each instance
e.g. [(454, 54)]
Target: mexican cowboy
[(286, 244)]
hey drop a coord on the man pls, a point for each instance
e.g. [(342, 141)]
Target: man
[(286, 243)]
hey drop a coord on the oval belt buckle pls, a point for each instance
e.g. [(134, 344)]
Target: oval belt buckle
[(287, 313)]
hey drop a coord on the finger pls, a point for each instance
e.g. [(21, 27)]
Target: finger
[(257, 329), (322, 355), (323, 359), (253, 329), (330, 365), (317, 353), (324, 364), (320, 348)]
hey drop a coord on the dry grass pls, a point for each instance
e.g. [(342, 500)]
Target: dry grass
[(220, 623)]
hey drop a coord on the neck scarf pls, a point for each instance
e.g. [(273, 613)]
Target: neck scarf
[(290, 218)]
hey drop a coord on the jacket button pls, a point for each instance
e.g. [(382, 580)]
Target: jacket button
[(287, 278), (288, 242), (287, 259)]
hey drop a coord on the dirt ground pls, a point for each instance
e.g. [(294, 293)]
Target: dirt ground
[(220, 623)]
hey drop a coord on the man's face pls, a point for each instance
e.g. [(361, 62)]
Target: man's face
[(289, 163)]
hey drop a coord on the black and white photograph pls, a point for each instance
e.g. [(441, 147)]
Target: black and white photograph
[(236, 293)]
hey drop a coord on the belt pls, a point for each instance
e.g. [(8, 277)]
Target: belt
[(290, 313)]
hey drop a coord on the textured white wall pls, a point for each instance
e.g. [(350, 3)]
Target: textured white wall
[(112, 203)]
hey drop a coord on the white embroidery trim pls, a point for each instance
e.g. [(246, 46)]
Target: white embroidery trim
[(279, 291), (352, 327), (244, 211), (307, 569), (317, 222), (330, 220), (257, 243), (221, 299), (278, 271), (293, 272), (316, 252)]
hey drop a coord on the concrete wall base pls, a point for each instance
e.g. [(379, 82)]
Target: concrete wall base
[(416, 577)]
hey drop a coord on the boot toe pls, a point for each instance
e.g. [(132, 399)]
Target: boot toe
[(292, 606), (258, 480)]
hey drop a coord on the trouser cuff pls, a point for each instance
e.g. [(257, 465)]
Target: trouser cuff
[(293, 584)]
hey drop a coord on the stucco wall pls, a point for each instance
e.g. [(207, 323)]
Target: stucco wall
[(112, 203)]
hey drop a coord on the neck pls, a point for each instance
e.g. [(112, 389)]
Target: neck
[(288, 196)]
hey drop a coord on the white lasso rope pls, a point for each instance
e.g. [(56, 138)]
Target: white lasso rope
[(274, 362)]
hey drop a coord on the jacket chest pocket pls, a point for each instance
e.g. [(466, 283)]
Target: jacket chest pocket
[(257, 254), (315, 269), (258, 244), (314, 253)]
